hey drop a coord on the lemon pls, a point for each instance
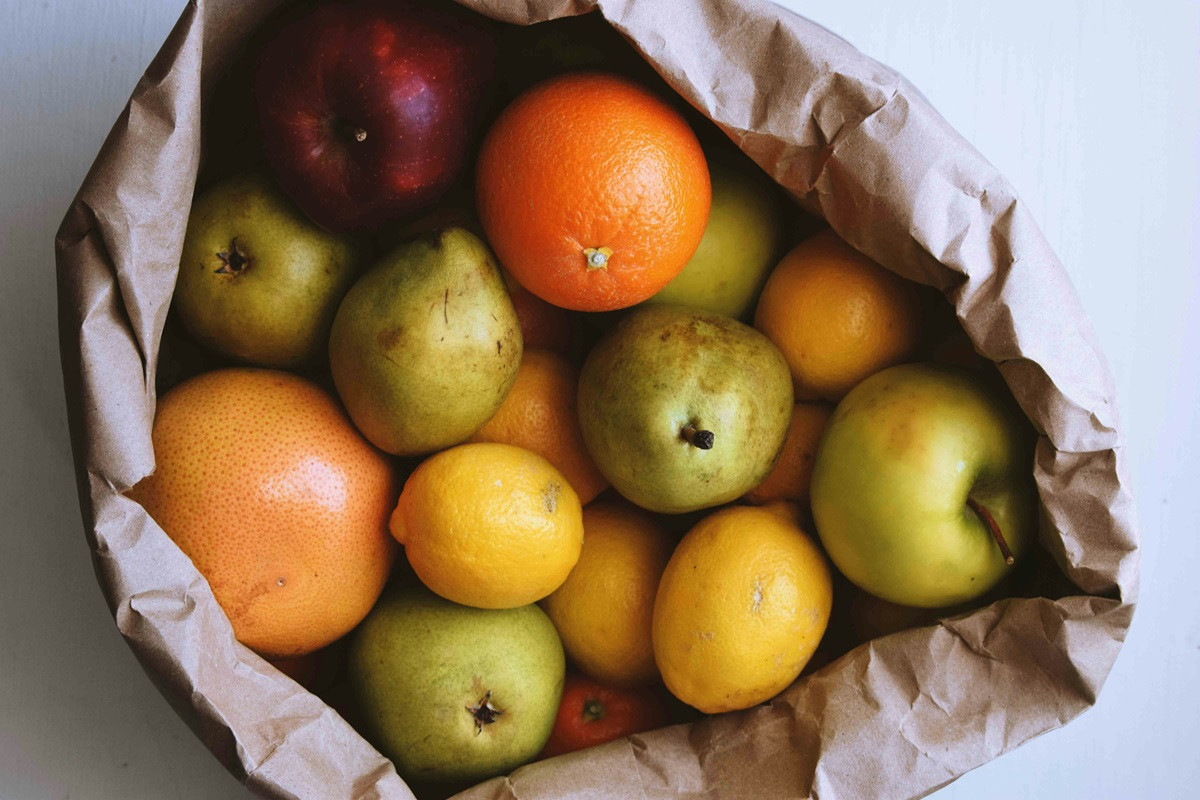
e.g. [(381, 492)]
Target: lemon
[(740, 609), (489, 525), (603, 611)]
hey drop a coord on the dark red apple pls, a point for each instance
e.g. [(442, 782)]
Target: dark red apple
[(367, 108)]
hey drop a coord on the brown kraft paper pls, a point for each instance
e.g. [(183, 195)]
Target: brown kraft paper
[(854, 143)]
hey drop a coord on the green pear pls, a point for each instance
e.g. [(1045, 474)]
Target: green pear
[(454, 693), (426, 345), (922, 490), (743, 240), (682, 409), (258, 281)]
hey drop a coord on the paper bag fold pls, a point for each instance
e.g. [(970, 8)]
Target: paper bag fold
[(853, 142)]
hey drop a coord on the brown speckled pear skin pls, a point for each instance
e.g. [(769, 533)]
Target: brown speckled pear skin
[(426, 345), (666, 374)]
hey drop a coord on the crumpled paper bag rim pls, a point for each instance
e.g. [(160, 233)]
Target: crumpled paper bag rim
[(852, 141)]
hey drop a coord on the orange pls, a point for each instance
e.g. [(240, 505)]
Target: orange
[(604, 609), (543, 326), (279, 502), (489, 525), (740, 608), (789, 478), (593, 192), (539, 415), (837, 316)]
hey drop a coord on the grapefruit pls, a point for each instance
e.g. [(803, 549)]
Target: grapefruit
[(279, 502)]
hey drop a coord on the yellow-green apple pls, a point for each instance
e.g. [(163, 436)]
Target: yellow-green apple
[(922, 491)]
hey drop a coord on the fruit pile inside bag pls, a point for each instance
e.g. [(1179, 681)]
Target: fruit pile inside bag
[(511, 409)]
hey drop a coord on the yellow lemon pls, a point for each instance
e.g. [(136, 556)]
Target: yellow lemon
[(489, 525), (603, 611), (740, 609)]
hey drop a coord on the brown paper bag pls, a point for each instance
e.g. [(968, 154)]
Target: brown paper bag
[(855, 144)]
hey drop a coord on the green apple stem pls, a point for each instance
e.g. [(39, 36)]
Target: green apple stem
[(698, 438), (990, 521)]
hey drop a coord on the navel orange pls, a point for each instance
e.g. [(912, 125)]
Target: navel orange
[(593, 192), (543, 326)]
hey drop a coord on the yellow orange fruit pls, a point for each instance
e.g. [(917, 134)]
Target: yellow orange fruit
[(543, 326), (740, 608), (789, 478), (837, 316), (539, 415), (489, 525), (593, 192), (604, 609), (279, 502)]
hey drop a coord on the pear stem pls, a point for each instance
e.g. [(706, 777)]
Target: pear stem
[(484, 712), (698, 438), (233, 259), (990, 521)]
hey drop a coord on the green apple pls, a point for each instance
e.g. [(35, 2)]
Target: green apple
[(742, 242), (257, 280), (452, 693), (922, 491), (682, 409)]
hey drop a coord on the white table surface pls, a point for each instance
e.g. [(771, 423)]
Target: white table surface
[(1091, 110)]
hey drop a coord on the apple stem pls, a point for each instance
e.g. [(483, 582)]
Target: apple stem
[(698, 438), (359, 135), (990, 521)]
